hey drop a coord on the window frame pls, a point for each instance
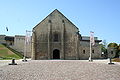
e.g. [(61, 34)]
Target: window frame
[(56, 37)]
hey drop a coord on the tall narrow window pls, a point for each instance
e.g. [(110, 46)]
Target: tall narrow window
[(92, 51), (83, 51), (55, 37), (49, 21), (63, 21)]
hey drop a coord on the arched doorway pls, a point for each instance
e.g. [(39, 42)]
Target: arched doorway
[(56, 54)]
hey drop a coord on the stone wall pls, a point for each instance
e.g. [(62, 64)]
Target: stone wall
[(84, 50), (69, 42), (44, 44), (19, 45)]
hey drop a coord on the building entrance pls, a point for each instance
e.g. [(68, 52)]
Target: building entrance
[(56, 54)]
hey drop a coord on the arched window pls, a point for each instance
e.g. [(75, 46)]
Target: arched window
[(63, 21), (55, 37), (83, 51), (49, 21)]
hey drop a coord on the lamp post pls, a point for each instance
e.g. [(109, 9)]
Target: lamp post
[(111, 54)]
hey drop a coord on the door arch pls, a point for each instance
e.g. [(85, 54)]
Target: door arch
[(56, 54)]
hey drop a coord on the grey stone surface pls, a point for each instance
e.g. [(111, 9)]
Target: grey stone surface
[(70, 43), (61, 70)]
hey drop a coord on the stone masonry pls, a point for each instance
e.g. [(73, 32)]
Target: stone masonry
[(56, 37)]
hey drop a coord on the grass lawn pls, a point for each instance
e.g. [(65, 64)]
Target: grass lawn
[(1, 46), (6, 54), (116, 60)]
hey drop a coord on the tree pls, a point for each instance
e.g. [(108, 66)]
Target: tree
[(119, 50), (115, 46), (103, 46), (104, 43), (119, 47)]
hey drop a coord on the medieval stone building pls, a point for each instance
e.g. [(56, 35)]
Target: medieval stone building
[(56, 37)]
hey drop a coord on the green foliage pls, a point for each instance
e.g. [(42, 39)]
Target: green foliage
[(119, 53), (113, 45), (1, 46), (103, 49), (116, 46), (116, 60), (119, 47)]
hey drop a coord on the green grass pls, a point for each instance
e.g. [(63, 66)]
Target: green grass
[(4, 55), (1, 46), (16, 52), (2, 51), (116, 60)]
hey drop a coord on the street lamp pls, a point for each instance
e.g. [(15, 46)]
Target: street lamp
[(111, 54)]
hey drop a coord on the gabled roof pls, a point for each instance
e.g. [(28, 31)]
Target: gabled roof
[(52, 13)]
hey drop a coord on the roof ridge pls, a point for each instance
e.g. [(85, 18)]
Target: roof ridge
[(53, 12)]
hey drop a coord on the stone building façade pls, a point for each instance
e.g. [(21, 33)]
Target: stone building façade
[(56, 37)]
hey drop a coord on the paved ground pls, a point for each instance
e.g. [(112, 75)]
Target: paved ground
[(60, 70)]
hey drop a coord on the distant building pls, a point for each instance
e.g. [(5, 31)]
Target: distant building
[(2, 39), (56, 37), (84, 49), (16, 42), (9, 40)]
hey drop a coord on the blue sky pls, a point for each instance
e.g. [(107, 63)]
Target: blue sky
[(100, 16)]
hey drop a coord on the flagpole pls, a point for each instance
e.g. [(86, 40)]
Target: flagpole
[(90, 52), (25, 49), (92, 42)]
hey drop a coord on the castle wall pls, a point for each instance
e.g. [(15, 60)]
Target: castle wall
[(19, 45)]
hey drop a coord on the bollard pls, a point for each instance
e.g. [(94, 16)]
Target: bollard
[(13, 62), (24, 59)]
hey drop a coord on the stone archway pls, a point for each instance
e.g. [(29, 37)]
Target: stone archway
[(56, 54)]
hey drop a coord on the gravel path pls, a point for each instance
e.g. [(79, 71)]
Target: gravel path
[(60, 70)]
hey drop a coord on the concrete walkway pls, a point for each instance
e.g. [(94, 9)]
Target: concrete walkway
[(60, 70)]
